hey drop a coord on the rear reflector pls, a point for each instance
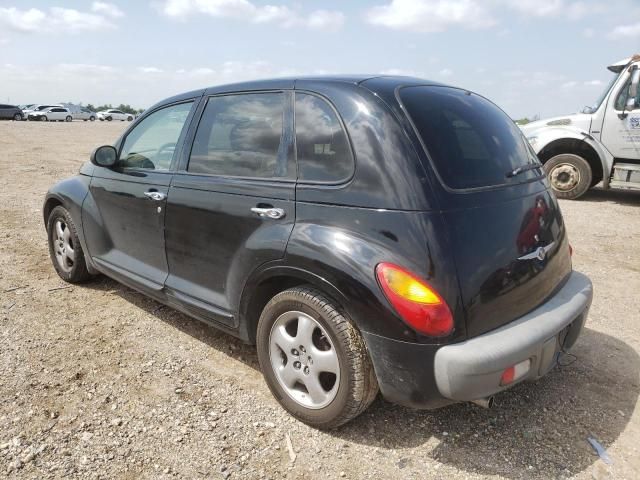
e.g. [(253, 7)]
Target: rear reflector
[(515, 372), (419, 305)]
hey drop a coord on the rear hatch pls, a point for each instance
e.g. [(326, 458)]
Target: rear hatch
[(504, 225)]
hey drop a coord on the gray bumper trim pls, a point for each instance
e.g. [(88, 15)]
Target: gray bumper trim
[(472, 369)]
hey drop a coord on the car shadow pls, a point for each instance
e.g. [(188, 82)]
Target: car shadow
[(536, 430), (619, 196)]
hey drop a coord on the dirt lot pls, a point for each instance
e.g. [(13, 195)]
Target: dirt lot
[(99, 382)]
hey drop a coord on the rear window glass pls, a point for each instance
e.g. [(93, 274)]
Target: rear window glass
[(322, 146), (471, 142)]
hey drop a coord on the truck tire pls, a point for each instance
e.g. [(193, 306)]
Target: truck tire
[(569, 175)]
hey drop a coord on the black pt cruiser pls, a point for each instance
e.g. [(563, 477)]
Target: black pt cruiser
[(367, 233)]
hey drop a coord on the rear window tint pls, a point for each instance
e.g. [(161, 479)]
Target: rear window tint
[(322, 145), (471, 142)]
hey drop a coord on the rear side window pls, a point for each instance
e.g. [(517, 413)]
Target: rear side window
[(471, 142), (241, 136), (321, 143)]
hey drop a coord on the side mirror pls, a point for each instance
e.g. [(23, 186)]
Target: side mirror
[(104, 156)]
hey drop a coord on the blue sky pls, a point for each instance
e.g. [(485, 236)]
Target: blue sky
[(543, 57)]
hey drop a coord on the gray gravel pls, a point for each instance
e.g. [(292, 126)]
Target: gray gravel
[(97, 381)]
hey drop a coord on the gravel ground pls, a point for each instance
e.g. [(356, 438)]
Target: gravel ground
[(97, 381)]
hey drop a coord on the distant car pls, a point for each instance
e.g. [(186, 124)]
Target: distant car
[(10, 112), (113, 114), (85, 114), (53, 114), (36, 108)]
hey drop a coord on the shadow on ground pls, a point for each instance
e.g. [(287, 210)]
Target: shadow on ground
[(537, 430), (619, 196)]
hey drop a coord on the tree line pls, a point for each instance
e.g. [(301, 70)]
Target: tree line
[(122, 107)]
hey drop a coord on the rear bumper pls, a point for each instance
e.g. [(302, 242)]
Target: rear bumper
[(428, 376)]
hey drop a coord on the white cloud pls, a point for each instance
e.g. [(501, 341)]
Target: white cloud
[(150, 70), (554, 8), (108, 9), (55, 20), (625, 31), (280, 15), (593, 83), (430, 15)]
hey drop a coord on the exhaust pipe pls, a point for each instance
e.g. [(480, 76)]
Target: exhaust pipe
[(486, 402)]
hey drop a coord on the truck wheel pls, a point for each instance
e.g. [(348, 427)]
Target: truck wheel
[(569, 175), (313, 360)]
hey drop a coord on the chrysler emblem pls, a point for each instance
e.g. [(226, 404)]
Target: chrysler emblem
[(540, 253)]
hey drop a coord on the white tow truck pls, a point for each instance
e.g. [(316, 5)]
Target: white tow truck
[(600, 144)]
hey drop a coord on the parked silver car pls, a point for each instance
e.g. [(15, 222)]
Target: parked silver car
[(37, 108), (85, 114)]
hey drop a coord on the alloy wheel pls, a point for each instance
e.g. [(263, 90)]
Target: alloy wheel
[(63, 245)]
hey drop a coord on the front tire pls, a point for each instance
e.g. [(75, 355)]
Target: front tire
[(569, 175), (313, 359), (92, 118), (17, 117), (44, 118), (69, 118), (109, 119), (64, 247), (129, 119)]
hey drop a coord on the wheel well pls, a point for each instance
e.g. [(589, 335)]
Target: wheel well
[(260, 296), (49, 206), (577, 147)]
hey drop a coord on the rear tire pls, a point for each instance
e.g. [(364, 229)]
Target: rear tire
[(129, 119), (17, 117), (335, 344), (570, 175), (64, 247), (92, 118), (68, 119), (109, 119), (45, 118)]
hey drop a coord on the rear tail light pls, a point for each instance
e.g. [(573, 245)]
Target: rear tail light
[(515, 372), (419, 305)]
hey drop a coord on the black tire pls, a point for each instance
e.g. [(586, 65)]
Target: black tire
[(129, 119), (69, 118), (109, 118), (17, 117), (570, 175), (357, 387), (78, 272), (92, 118), (44, 118)]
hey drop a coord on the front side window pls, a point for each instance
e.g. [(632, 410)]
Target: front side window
[(471, 142), (322, 145), (152, 143), (621, 101), (241, 136)]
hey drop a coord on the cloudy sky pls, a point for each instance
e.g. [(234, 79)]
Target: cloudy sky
[(531, 57)]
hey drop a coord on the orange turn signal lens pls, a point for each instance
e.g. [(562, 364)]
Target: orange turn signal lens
[(417, 303)]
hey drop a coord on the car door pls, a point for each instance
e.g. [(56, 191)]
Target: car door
[(4, 111), (231, 203), (621, 128), (124, 213)]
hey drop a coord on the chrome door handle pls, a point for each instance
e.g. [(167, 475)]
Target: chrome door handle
[(157, 196), (271, 212)]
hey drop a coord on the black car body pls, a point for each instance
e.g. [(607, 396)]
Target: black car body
[(10, 112), (323, 183)]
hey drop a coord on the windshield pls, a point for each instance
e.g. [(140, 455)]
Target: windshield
[(596, 105)]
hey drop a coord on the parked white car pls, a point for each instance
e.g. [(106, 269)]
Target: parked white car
[(52, 114), (37, 108), (113, 114), (85, 114)]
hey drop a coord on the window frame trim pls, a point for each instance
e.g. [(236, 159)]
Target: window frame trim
[(287, 125)]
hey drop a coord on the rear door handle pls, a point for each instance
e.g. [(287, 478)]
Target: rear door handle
[(274, 213), (157, 196)]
